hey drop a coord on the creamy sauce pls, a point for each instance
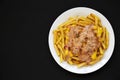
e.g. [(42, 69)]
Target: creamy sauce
[(82, 42)]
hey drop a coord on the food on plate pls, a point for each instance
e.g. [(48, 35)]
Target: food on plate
[(81, 40)]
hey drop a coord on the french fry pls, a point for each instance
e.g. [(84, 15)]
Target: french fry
[(55, 35), (70, 54), (99, 23), (95, 27), (107, 36), (62, 36), (81, 24), (75, 62), (99, 31), (103, 36), (94, 55), (85, 22), (57, 51), (70, 61), (89, 20), (103, 45), (81, 64), (96, 20), (82, 18), (61, 49), (97, 59), (101, 51), (66, 52), (58, 40), (61, 58), (91, 17), (75, 58), (66, 39)]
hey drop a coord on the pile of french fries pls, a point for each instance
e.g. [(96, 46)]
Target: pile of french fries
[(61, 38)]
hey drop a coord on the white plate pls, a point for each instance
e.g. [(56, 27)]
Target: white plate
[(82, 11)]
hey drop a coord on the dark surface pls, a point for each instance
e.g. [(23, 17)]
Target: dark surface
[(24, 47)]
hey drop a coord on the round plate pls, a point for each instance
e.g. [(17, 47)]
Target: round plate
[(82, 11)]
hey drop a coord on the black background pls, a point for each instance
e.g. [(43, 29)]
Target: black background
[(24, 27)]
